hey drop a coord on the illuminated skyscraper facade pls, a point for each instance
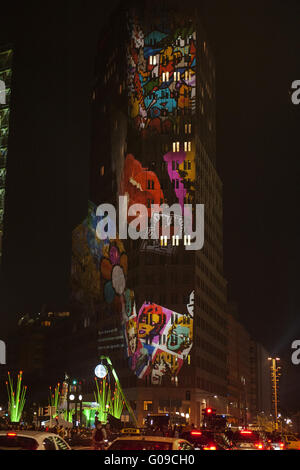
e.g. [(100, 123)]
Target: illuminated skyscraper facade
[(5, 80), (160, 310)]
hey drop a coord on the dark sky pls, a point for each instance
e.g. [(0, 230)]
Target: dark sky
[(256, 47)]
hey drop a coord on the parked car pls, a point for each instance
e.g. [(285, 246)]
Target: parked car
[(275, 441), (150, 443), (207, 440), (247, 439), (31, 440), (292, 442)]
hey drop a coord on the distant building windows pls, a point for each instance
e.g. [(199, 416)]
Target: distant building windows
[(150, 184), (102, 170)]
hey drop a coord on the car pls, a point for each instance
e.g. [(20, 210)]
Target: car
[(246, 439), (150, 443), (31, 440), (207, 440), (292, 442), (275, 441)]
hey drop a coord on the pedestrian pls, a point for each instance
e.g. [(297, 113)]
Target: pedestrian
[(99, 437)]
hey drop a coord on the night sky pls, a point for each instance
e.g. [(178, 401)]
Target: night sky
[(256, 46)]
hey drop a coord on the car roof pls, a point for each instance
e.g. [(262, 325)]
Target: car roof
[(25, 433), (149, 438)]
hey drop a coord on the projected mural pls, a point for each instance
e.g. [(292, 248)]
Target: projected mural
[(140, 185), (161, 76), (99, 268), (158, 341)]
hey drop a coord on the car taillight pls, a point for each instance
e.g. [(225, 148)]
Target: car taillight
[(11, 434), (210, 448), (259, 445), (281, 445), (196, 433)]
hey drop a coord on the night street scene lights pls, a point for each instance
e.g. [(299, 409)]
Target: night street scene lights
[(275, 374)]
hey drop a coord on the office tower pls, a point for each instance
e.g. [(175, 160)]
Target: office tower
[(5, 91), (154, 132)]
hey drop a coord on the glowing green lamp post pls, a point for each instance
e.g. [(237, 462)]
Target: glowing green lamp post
[(16, 399), (54, 398), (119, 400)]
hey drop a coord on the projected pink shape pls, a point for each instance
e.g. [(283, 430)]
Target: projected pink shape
[(177, 158)]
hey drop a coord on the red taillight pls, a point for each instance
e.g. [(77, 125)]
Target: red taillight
[(196, 433), (11, 434), (210, 448), (259, 445), (246, 432), (281, 445), (209, 410)]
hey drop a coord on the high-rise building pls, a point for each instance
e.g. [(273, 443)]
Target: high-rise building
[(154, 141), (6, 55)]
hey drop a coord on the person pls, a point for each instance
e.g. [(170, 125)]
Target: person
[(99, 436)]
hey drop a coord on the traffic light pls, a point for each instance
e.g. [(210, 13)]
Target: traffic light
[(209, 411), (209, 415)]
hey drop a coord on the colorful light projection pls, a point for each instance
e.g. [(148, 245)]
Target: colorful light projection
[(161, 76), (158, 341), (99, 268), (16, 398), (140, 185), (181, 171), (54, 397)]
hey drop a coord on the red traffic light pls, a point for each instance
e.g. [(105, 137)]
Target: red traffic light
[(208, 411)]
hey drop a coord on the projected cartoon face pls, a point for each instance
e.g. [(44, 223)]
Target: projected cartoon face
[(178, 338), (132, 336), (159, 369), (151, 321), (190, 305)]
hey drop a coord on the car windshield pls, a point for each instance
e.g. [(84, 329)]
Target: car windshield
[(17, 443), (245, 436), (140, 445)]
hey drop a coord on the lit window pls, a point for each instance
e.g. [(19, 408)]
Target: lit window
[(176, 146), (102, 171), (165, 76), (190, 128), (189, 146), (176, 76), (152, 60), (147, 405)]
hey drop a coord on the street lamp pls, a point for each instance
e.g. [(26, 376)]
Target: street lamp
[(74, 396)]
